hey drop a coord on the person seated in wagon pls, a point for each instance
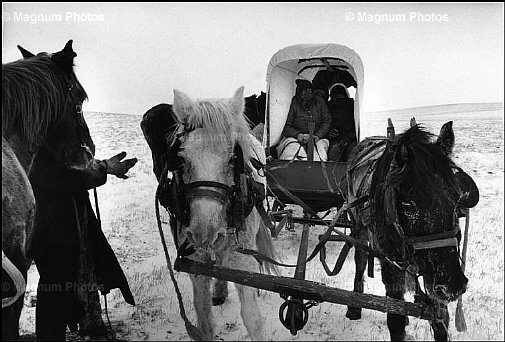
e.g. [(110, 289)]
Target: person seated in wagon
[(342, 135), (305, 110)]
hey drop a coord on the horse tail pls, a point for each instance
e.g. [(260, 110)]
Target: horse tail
[(18, 279), (265, 246)]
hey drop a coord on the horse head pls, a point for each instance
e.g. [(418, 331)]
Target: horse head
[(60, 118), (417, 189), (209, 132)]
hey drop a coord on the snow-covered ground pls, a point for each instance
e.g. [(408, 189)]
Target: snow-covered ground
[(128, 220)]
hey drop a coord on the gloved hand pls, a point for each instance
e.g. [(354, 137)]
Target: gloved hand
[(114, 165), (299, 137), (333, 133), (306, 138)]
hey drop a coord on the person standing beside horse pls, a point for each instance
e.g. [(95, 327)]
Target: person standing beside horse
[(305, 111), (71, 253)]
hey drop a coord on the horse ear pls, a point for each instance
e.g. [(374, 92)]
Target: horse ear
[(183, 105), (446, 138), (25, 53), (237, 101), (68, 49), (65, 57)]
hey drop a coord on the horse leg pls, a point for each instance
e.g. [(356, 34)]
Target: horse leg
[(360, 260), (394, 281), (12, 313), (203, 304), (220, 292), (440, 328), (10, 320), (249, 309), (250, 312)]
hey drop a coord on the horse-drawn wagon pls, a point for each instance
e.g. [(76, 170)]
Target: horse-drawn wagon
[(208, 169)]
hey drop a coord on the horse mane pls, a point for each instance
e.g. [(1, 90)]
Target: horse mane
[(414, 165), (34, 95), (217, 118)]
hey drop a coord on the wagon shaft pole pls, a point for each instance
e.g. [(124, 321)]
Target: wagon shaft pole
[(293, 312), (308, 290), (302, 253)]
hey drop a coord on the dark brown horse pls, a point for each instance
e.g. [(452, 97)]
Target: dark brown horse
[(254, 109), (41, 106), (415, 193)]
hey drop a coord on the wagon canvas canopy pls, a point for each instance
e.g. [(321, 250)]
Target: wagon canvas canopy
[(305, 61)]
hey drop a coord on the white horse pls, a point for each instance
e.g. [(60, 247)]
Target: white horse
[(213, 128)]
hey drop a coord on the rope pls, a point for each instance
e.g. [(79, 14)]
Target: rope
[(193, 332), (97, 210), (113, 335)]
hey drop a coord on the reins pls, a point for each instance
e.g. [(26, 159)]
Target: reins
[(79, 235), (193, 332), (97, 209)]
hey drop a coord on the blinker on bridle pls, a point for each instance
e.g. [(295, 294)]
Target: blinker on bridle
[(209, 189)]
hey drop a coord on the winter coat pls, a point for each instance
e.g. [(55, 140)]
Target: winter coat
[(299, 118), (343, 119), (56, 229)]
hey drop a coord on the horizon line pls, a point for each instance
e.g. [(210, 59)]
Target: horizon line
[(372, 111)]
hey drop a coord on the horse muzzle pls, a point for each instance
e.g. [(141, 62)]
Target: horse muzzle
[(450, 292), (209, 244)]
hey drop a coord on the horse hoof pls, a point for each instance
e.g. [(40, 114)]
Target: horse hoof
[(353, 313), (216, 301)]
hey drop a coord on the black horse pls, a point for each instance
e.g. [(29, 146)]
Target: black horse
[(41, 106), (255, 109), (415, 196)]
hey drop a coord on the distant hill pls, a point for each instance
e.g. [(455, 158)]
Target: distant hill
[(445, 109), (418, 111)]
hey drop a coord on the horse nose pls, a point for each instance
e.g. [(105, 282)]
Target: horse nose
[(208, 240), (461, 287), (441, 290), (189, 235), (219, 239)]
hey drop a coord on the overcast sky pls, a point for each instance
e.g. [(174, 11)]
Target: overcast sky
[(131, 56)]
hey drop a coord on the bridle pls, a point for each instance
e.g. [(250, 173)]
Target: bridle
[(209, 189), (239, 199), (81, 122)]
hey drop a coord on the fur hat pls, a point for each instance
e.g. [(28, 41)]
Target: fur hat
[(302, 84)]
